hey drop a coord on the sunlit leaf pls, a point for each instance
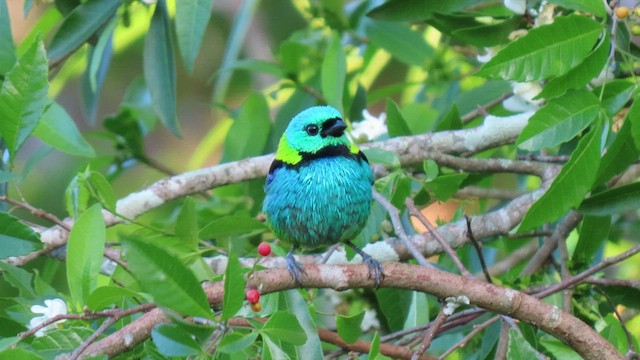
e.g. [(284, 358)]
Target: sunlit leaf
[(559, 120), (580, 75), (84, 254), (233, 288), (283, 326), (58, 129), (613, 201), (570, 186), (166, 278), (620, 154), (349, 327), (8, 53), (187, 223), (400, 41), (236, 341), (396, 123), (549, 50), (412, 10), (23, 96)]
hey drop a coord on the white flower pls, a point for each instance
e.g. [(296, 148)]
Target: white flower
[(452, 303), (370, 128), (370, 320), (523, 97), (51, 309), (488, 56), (149, 2), (517, 6), (546, 15)]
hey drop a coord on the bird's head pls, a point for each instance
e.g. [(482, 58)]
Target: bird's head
[(311, 131)]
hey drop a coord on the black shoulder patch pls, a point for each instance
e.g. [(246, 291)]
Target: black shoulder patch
[(361, 156)]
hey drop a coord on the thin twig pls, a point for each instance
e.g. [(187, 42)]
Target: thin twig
[(105, 325), (35, 211), (483, 109), (394, 215), (585, 274), (436, 235), (476, 245), (430, 334)]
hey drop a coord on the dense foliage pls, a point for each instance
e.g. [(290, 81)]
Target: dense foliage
[(516, 123)]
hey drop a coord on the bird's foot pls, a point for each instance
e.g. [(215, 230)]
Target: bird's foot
[(294, 267), (375, 268)]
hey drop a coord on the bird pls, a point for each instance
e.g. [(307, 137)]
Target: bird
[(318, 189)]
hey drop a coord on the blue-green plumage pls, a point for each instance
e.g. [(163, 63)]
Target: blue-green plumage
[(319, 186)]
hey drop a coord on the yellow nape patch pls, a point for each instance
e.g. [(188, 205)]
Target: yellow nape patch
[(354, 148), (286, 153)]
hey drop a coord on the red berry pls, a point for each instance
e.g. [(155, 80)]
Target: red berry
[(257, 307), (264, 249), (253, 296)]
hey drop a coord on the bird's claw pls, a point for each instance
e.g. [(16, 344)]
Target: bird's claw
[(375, 269), (295, 268)]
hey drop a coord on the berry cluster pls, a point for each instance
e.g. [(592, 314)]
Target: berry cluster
[(623, 13)]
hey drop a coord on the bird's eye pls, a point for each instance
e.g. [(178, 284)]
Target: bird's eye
[(312, 129)]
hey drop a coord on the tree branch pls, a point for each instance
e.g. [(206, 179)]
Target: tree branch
[(582, 338)]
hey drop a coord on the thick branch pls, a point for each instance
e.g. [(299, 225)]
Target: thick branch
[(515, 304)]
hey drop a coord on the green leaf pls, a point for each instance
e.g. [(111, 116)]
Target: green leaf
[(84, 254), (374, 350), (160, 68), (58, 129), (236, 341), (451, 121), (101, 189), (384, 157), (595, 7), (633, 117), (619, 155), (593, 233), (413, 10), (444, 186), (519, 347), (613, 201), (396, 124), (23, 97), (547, 51), (187, 224), (166, 278), (173, 341), (558, 349), (580, 75), (394, 304), (570, 186), (334, 72), (16, 238), (349, 327), (400, 41), (559, 120), (418, 312), (8, 53), (79, 25), (18, 353), (431, 170), (76, 196), (234, 283), (105, 296), (283, 326), (483, 35), (615, 95), (250, 130), (19, 279), (66, 6), (192, 18), (8, 342), (293, 302), (62, 340), (231, 225)]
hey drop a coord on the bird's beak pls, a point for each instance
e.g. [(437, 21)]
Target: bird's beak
[(333, 127)]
